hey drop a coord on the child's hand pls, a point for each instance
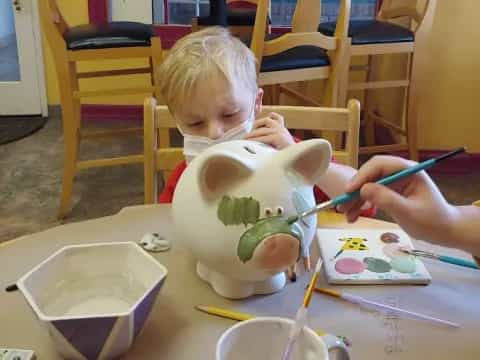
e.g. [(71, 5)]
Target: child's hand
[(271, 130)]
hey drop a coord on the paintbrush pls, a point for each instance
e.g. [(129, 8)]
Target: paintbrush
[(301, 316), (341, 199), (373, 305), (238, 316), (442, 258)]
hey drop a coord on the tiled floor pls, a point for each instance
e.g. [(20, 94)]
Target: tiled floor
[(30, 180)]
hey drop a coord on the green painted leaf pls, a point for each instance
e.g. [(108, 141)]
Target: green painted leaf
[(236, 211)]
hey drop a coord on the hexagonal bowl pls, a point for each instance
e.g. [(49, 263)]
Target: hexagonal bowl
[(94, 299)]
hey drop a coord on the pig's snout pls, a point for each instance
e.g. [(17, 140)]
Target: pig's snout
[(277, 252)]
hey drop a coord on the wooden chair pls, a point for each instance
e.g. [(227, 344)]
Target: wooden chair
[(159, 156), (70, 45), (239, 20), (378, 37), (344, 121), (302, 55)]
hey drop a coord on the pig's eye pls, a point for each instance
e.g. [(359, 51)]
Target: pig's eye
[(268, 212), (279, 210), (250, 150)]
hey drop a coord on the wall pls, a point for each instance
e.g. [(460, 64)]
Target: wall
[(449, 110), (7, 26), (447, 84)]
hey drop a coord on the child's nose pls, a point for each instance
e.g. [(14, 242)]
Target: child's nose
[(215, 130)]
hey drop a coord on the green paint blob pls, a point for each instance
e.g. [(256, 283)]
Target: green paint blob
[(377, 265), (236, 211), (404, 264), (261, 230)]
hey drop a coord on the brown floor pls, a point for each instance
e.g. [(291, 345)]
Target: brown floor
[(30, 180)]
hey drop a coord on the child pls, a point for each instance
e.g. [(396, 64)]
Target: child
[(416, 204), (209, 83)]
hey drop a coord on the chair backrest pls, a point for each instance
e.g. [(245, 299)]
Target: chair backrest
[(346, 121), (54, 24), (159, 156), (414, 10), (304, 33)]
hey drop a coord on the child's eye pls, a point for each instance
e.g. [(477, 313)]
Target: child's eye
[(230, 114), (279, 210)]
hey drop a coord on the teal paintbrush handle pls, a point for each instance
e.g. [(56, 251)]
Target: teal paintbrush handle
[(457, 261), (386, 181)]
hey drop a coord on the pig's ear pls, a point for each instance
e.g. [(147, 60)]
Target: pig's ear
[(220, 172), (307, 160)]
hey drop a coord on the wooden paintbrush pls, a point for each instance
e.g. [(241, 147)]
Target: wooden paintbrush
[(301, 316)]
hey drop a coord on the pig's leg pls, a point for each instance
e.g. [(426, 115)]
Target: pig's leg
[(292, 272), (307, 263)]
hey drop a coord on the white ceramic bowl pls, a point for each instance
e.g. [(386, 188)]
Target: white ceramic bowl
[(94, 299)]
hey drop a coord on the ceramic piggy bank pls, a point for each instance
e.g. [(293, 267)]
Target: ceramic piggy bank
[(223, 200)]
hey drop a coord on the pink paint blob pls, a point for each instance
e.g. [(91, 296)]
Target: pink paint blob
[(349, 266), (393, 250)]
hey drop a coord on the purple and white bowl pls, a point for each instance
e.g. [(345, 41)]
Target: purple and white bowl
[(94, 299)]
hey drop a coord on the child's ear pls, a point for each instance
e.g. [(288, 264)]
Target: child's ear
[(258, 102)]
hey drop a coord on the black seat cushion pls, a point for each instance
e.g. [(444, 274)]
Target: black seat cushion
[(110, 35), (365, 32), (299, 57), (235, 17)]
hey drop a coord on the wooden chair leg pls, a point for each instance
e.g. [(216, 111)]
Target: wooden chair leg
[(369, 123), (410, 121), (71, 118)]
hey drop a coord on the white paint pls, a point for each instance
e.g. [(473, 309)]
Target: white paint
[(131, 10)]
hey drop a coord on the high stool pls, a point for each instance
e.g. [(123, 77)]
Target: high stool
[(378, 37), (237, 15), (116, 40), (303, 54)]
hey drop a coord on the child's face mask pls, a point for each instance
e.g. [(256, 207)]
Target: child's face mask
[(194, 144)]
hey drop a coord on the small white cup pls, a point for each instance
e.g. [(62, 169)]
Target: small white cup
[(265, 338)]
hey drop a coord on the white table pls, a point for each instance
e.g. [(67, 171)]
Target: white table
[(176, 331)]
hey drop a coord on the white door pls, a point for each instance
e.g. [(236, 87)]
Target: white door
[(22, 90)]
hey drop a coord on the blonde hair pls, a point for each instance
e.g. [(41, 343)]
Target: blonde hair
[(199, 57)]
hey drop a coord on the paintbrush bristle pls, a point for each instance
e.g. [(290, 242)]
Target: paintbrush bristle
[(318, 267)]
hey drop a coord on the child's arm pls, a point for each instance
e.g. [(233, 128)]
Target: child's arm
[(334, 181)]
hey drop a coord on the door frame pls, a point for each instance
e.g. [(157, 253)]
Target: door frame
[(39, 59)]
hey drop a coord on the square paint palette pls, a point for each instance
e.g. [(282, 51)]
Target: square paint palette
[(359, 256)]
